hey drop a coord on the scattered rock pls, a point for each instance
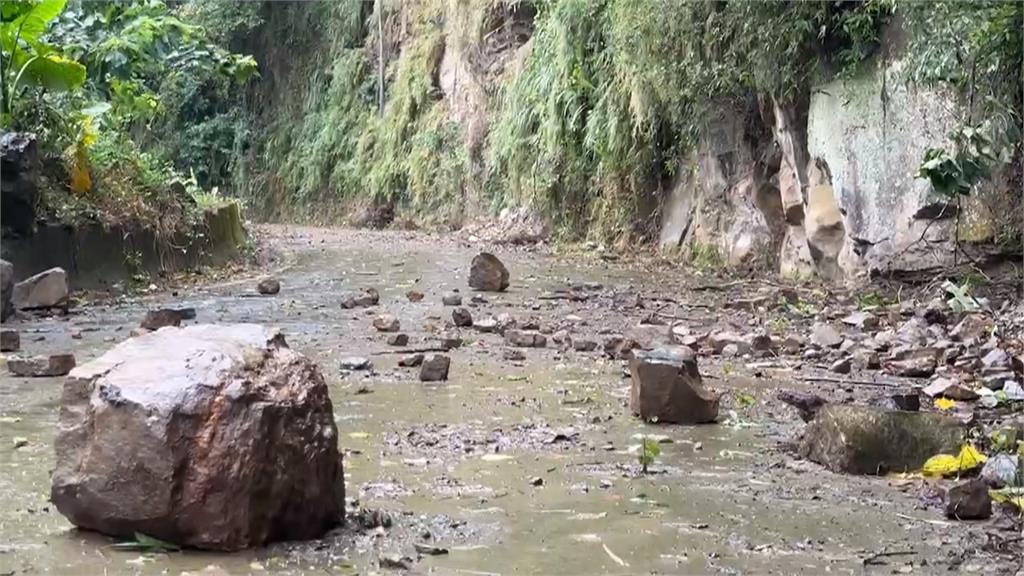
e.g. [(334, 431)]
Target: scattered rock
[(487, 273), (731, 350), (760, 342), (269, 286), (996, 358), (462, 318), (792, 344), (219, 437), (620, 348), (434, 368), (583, 345), (1013, 390), (429, 549), (720, 340), (48, 289), (865, 359), (487, 325), (915, 364), (20, 442), (949, 389), (667, 387), (913, 332), (525, 339), (411, 360), (862, 440), (414, 295), (861, 320), (356, 363), (972, 327), (969, 501), (806, 404), (386, 323), (935, 312), (41, 366), (6, 288), (513, 355), (841, 366), (157, 319), (10, 340), (823, 335), (1001, 470), (451, 299), (364, 299), (908, 401), (398, 340), (134, 332), (536, 481)]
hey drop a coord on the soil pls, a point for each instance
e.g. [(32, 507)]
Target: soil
[(516, 466)]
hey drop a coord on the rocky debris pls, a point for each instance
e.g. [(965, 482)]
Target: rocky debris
[(451, 299), (398, 340), (861, 320), (462, 318), (583, 345), (212, 436), (449, 341), (1013, 391), (356, 363), (41, 366), (792, 344), (667, 387), (487, 273), (157, 319), (365, 299), (10, 340), (806, 404), (863, 440), (386, 323), (972, 327), (434, 368), (269, 286), (618, 347), (1001, 470), (935, 311), (865, 359), (913, 332), (513, 355), (394, 562), (824, 335), (411, 360), (914, 363), (909, 401), (48, 289), (414, 295), (6, 288), (969, 500), (949, 389), (718, 341), (996, 358), (841, 366), (525, 339)]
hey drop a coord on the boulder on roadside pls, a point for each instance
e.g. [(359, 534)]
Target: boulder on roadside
[(48, 289), (268, 286), (667, 387), (525, 339), (157, 319), (969, 500), (364, 299), (487, 273), (214, 437), (10, 340), (6, 288), (462, 318), (863, 440), (386, 323), (434, 368), (41, 366)]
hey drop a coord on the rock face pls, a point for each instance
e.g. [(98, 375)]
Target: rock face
[(862, 440), (268, 286), (667, 387), (48, 289), (215, 437), (6, 287), (487, 273), (41, 366)]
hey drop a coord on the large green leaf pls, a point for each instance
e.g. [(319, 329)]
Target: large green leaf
[(31, 24), (53, 72)]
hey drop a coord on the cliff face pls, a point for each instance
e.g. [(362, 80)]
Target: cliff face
[(823, 184)]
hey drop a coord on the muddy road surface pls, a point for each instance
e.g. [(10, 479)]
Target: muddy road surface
[(511, 466)]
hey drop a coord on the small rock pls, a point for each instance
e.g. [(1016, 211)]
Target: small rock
[(841, 366), (41, 366), (667, 387), (268, 286), (133, 333), (722, 339), (865, 359), (477, 299), (584, 345), (972, 327), (414, 295), (913, 332), (462, 318), (429, 549), (394, 562), (451, 299), (513, 355), (935, 312), (536, 481), (917, 363), (411, 360), (10, 340), (792, 344), (1013, 391), (355, 363), (449, 341), (730, 350), (20, 442), (366, 298), (996, 358), (861, 320), (825, 336), (434, 368), (525, 339), (386, 323), (908, 401), (760, 342), (398, 340), (969, 501), (157, 319), (937, 387), (75, 334), (620, 348), (487, 273)]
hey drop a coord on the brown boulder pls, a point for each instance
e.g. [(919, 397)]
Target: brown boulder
[(487, 273), (41, 366), (215, 437), (667, 387), (969, 500), (462, 318), (434, 368), (10, 341)]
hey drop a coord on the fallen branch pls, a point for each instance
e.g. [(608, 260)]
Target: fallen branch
[(848, 381)]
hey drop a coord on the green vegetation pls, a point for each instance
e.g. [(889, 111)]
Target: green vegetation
[(649, 451)]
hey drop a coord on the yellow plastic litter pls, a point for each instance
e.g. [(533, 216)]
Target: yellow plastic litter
[(1014, 496), (948, 465), (944, 403)]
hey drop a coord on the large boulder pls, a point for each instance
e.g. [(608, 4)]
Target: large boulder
[(6, 287), (48, 289), (215, 437), (487, 273), (863, 440), (667, 387)]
